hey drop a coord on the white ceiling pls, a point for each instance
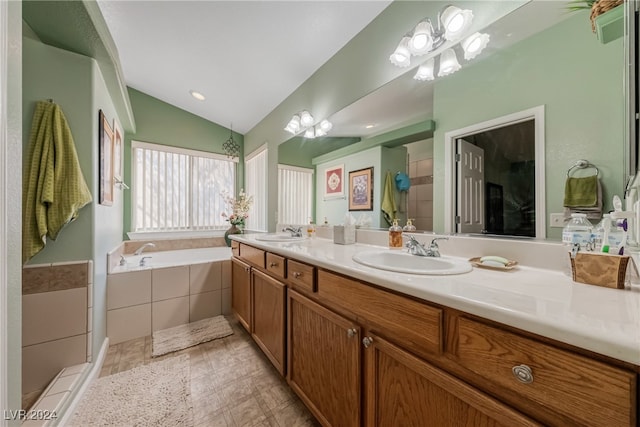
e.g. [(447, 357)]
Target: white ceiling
[(246, 57)]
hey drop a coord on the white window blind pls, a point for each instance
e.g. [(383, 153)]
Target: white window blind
[(176, 189), (256, 185), (295, 194)]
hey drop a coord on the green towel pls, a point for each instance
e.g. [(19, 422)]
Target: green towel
[(54, 189), (388, 200), (581, 192)]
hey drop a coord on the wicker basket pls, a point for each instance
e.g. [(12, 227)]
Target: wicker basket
[(600, 7)]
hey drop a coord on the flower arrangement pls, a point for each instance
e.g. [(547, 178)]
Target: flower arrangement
[(239, 208)]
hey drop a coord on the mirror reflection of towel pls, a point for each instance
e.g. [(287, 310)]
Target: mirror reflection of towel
[(583, 195), (388, 205)]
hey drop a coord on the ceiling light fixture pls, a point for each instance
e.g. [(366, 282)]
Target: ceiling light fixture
[(455, 21), (474, 44), (197, 95), (425, 71), (231, 147), (448, 63), (402, 55)]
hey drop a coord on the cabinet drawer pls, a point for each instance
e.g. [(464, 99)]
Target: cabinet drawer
[(276, 265), (412, 324), (583, 390), (235, 248), (253, 255), (301, 276)]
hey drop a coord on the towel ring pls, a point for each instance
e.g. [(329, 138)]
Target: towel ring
[(582, 164)]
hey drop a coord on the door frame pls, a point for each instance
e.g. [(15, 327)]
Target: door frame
[(535, 113)]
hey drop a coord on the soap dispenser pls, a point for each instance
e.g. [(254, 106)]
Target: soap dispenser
[(409, 226), (311, 229), (395, 235)]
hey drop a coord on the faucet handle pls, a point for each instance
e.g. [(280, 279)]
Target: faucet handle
[(123, 260), (143, 260)]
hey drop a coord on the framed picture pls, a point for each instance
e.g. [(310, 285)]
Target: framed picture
[(117, 152), (361, 190), (334, 182), (105, 145)]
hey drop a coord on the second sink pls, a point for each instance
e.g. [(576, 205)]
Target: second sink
[(403, 262)]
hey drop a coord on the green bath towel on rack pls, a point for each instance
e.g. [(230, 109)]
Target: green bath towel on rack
[(581, 192)]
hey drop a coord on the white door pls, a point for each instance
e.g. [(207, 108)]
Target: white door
[(470, 166)]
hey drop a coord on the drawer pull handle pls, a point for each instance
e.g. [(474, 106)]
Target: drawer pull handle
[(523, 374), (351, 332), (367, 341), (273, 264), (297, 274)]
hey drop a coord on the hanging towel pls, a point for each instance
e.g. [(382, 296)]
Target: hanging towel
[(54, 189), (388, 206), (583, 195)]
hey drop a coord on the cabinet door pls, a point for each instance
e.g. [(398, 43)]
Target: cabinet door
[(268, 310), (402, 390), (324, 362), (241, 292)]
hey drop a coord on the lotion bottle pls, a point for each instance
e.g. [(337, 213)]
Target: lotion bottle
[(395, 235)]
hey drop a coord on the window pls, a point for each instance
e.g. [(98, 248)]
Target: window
[(295, 195), (256, 185), (176, 189)]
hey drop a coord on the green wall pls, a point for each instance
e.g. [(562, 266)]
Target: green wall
[(580, 82), (382, 159), (161, 123)]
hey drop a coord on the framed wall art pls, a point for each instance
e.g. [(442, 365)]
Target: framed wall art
[(334, 182), (361, 190), (105, 146), (117, 152)]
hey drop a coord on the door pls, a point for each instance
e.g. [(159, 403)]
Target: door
[(268, 313), (402, 390), (324, 362), (470, 166), (241, 292)]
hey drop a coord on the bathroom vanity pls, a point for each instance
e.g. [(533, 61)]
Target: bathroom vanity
[(362, 346)]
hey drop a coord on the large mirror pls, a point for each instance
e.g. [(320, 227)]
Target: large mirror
[(539, 56)]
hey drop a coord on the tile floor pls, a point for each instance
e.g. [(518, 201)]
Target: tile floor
[(232, 383)]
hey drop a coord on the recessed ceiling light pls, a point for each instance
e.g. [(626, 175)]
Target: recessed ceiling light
[(370, 126), (197, 95)]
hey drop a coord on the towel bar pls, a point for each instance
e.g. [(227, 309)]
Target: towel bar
[(582, 164)]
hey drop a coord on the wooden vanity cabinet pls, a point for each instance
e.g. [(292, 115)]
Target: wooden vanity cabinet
[(324, 362), (268, 301), (241, 292)]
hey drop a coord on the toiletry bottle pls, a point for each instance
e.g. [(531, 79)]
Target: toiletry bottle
[(601, 234), (409, 226), (577, 232), (395, 235), (311, 229)]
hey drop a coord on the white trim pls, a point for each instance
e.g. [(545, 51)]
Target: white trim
[(536, 113), (296, 168), (4, 167), (93, 374), (179, 150), (255, 152)]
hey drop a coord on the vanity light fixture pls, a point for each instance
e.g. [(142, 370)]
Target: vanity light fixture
[(425, 71), (474, 44), (197, 95), (448, 63)]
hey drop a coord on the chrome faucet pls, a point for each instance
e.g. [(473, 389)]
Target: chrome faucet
[(143, 247), (143, 260), (416, 248), (295, 232)]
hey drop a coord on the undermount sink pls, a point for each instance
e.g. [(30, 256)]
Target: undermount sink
[(277, 237), (403, 262)]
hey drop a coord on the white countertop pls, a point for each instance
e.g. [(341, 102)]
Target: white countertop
[(544, 302)]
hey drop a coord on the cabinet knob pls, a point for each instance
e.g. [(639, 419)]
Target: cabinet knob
[(297, 274), (352, 332), (367, 341), (523, 373), (273, 264), (247, 269)]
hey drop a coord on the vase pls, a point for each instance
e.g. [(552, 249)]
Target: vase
[(232, 230)]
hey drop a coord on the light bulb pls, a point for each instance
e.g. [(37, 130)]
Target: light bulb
[(326, 125), (422, 40)]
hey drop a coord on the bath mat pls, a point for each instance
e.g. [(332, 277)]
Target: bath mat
[(184, 336), (157, 394)]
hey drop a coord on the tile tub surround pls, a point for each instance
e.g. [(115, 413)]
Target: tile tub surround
[(543, 302), (143, 300), (57, 314)]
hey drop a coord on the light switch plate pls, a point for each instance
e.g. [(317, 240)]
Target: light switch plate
[(556, 220)]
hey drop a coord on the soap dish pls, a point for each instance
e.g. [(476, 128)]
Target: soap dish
[(509, 266)]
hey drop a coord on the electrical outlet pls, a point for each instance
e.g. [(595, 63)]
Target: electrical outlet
[(556, 220)]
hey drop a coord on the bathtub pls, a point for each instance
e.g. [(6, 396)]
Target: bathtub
[(162, 259)]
